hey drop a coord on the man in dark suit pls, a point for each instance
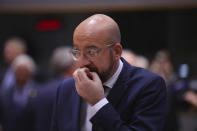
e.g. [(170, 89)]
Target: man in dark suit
[(13, 47), (107, 94), (15, 102), (62, 66)]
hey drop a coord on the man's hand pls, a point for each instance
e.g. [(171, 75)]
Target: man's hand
[(88, 85), (191, 97)]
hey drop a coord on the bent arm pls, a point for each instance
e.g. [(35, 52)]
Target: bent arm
[(147, 115)]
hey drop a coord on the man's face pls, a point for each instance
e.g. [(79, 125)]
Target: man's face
[(22, 75), (103, 63), (11, 51)]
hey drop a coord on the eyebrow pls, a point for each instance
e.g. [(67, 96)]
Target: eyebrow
[(91, 46), (87, 47)]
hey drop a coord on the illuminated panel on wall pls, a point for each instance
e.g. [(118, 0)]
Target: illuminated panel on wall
[(48, 25)]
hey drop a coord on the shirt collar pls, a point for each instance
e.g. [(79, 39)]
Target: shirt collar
[(111, 81)]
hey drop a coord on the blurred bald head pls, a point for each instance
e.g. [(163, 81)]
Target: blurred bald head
[(129, 56), (96, 26), (24, 68), (13, 48)]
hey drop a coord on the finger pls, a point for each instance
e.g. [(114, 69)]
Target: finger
[(89, 74), (75, 76), (82, 75), (95, 76)]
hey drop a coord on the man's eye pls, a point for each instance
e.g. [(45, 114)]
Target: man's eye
[(91, 52)]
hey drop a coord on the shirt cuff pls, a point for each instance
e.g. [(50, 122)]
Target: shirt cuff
[(95, 108)]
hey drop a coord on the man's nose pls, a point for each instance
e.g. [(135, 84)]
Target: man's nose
[(83, 61)]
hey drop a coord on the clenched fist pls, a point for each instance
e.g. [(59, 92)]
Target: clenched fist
[(88, 85)]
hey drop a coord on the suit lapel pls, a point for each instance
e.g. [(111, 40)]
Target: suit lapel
[(120, 86), (75, 110)]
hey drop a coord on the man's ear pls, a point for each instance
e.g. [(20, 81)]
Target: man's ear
[(117, 50)]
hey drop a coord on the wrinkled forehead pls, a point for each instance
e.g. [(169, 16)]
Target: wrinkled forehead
[(86, 47), (89, 42), (91, 37), (97, 30)]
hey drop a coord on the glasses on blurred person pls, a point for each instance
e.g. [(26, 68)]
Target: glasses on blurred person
[(90, 54)]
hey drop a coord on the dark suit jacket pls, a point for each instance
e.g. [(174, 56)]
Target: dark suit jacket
[(14, 117), (137, 102), (42, 105), (3, 71)]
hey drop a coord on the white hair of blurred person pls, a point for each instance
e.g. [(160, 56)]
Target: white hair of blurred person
[(24, 68), (14, 47), (129, 56), (142, 61), (62, 62)]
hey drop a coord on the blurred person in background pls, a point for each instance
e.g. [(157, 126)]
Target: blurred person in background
[(184, 101), (135, 60), (62, 66), (15, 102), (129, 56), (13, 47), (62, 63), (191, 95), (187, 85), (162, 65), (142, 61)]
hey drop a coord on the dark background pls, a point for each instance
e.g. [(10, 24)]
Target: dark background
[(143, 31)]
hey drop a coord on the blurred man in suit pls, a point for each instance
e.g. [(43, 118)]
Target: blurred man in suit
[(129, 56), (135, 60), (15, 101), (13, 48), (62, 66), (107, 93)]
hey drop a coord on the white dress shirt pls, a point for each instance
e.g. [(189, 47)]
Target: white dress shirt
[(88, 111)]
